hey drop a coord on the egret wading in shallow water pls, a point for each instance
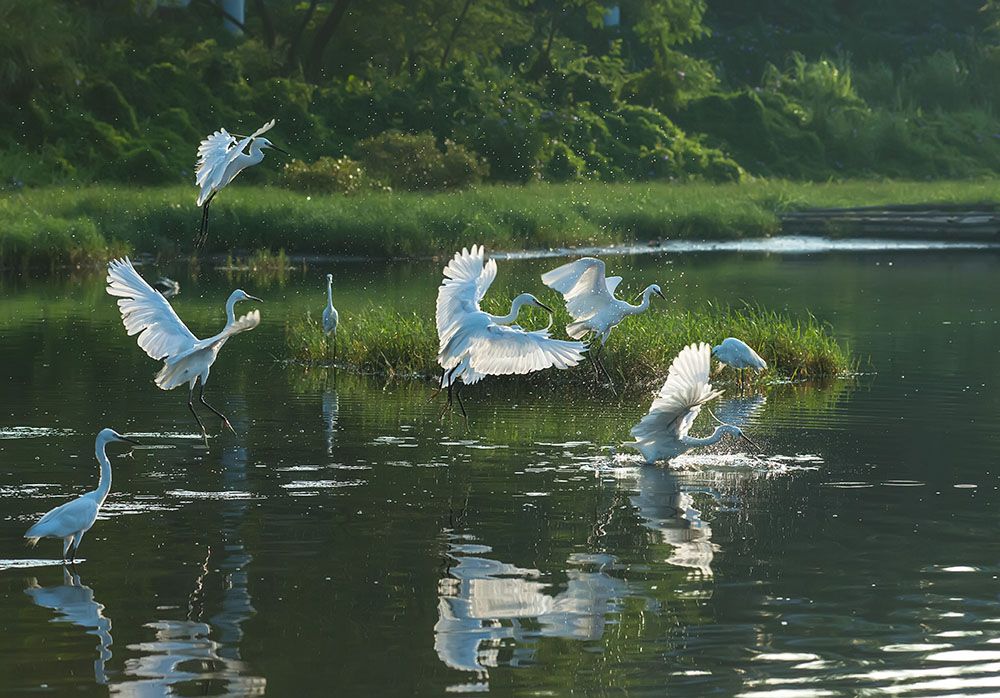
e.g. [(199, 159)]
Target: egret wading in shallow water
[(736, 354), (162, 335), (663, 433), (71, 520), (474, 344), (590, 300), (330, 315), (221, 157)]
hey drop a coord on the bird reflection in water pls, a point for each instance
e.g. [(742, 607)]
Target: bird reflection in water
[(331, 409), (74, 601), (484, 603)]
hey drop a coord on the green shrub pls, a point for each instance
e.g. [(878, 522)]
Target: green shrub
[(414, 162), (561, 164), (325, 176)]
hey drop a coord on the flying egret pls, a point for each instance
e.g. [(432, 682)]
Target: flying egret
[(220, 159), (590, 300), (167, 287), (71, 520), (330, 315), (735, 353), (663, 433), (162, 335), (474, 344)]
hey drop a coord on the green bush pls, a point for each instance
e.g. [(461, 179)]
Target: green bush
[(561, 164), (414, 162), (325, 176)]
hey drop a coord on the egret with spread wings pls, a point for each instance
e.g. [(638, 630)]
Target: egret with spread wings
[(663, 433), (474, 344), (162, 335), (221, 157), (590, 300), (71, 520)]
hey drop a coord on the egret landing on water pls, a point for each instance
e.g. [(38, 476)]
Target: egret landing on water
[(663, 433), (71, 520), (474, 344), (735, 353), (220, 159), (330, 315), (162, 335), (590, 300)]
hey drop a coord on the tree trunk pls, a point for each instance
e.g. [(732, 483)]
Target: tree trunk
[(314, 61), (267, 22), (454, 32), (292, 60)]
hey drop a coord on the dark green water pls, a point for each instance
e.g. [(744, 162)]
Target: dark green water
[(349, 542)]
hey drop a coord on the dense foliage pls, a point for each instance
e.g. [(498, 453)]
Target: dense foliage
[(459, 91)]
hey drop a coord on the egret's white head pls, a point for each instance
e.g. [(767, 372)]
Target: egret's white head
[(528, 299), (329, 278), (736, 431), (655, 288), (241, 295), (264, 143), (108, 435)]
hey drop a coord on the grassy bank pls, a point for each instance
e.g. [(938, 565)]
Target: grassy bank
[(52, 226), (638, 354)]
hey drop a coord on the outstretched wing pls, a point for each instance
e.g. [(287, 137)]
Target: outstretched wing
[(679, 401), (467, 278), (499, 350), (214, 154), (147, 313), (583, 285), (263, 129)]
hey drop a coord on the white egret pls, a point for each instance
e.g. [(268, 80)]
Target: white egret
[(590, 300), (663, 433), (474, 344), (330, 315), (220, 159), (735, 353), (71, 520), (162, 335), (167, 287)]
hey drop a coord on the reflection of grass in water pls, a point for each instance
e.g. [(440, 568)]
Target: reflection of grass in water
[(639, 352), (263, 266)]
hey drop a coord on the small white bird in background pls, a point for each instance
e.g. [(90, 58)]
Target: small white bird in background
[(167, 287), (590, 300), (71, 520), (330, 315), (474, 344), (663, 433), (736, 354), (220, 159), (162, 335)]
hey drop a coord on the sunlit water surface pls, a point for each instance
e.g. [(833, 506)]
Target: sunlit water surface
[(349, 541)]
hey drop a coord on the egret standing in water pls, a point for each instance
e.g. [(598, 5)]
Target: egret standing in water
[(220, 159), (590, 300), (162, 335), (71, 520), (737, 354), (663, 433), (330, 315), (474, 344)]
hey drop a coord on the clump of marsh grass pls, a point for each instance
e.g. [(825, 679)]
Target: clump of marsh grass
[(638, 354)]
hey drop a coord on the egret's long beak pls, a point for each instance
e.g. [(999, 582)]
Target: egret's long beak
[(544, 307), (281, 150), (130, 441), (751, 442), (660, 294), (254, 298)]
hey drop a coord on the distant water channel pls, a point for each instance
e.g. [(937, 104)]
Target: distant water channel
[(351, 542)]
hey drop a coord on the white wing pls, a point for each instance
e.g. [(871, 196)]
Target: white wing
[(658, 435), (147, 313), (65, 520), (498, 350), (467, 278), (613, 282), (263, 129), (584, 287)]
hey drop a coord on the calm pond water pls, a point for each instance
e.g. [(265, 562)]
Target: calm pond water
[(349, 541)]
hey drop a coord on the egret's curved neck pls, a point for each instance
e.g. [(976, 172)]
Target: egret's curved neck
[(231, 310), (515, 308), (641, 308), (256, 151), (104, 484), (329, 292), (715, 437)]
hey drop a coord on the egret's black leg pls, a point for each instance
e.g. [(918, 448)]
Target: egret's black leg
[(204, 433), (225, 420), (458, 395), (203, 233), (440, 385)]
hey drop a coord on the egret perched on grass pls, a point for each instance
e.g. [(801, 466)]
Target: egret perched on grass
[(71, 520), (330, 315), (220, 159), (590, 300), (162, 335), (735, 353), (663, 433), (474, 344)]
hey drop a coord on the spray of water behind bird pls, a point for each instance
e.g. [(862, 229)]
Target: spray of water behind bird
[(222, 156), (162, 335), (590, 300), (474, 344), (70, 521)]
